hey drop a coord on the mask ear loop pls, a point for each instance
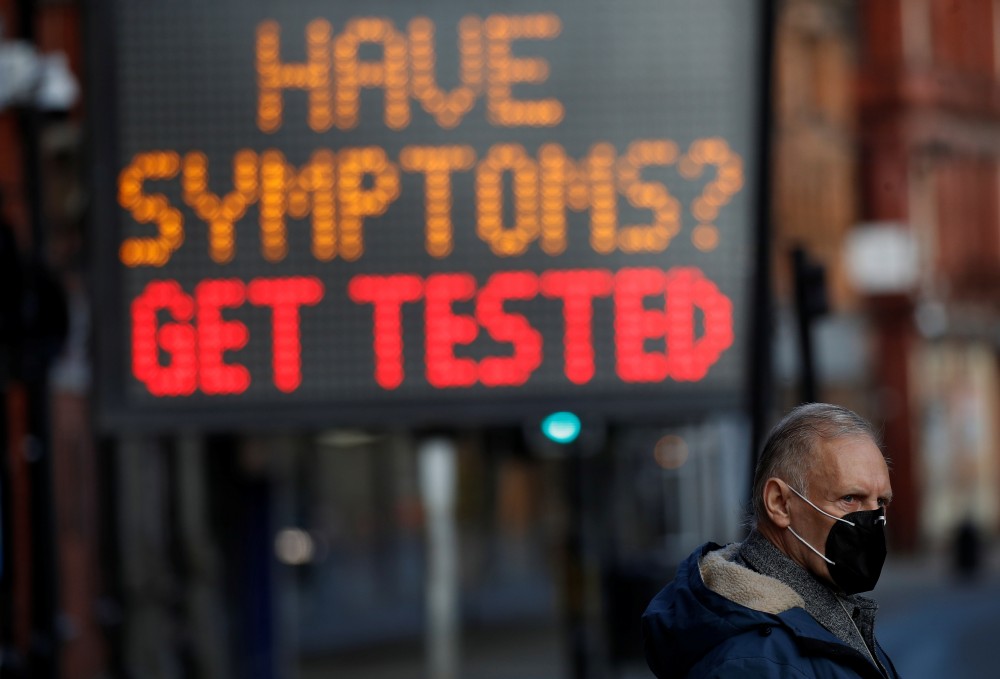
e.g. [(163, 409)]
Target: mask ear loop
[(799, 537), (836, 518), (815, 551)]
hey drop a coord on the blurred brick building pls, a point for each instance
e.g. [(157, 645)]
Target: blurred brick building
[(929, 104), (887, 115)]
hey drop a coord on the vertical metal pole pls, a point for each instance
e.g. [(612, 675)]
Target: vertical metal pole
[(10, 280), (283, 466), (148, 580), (437, 464), (804, 315), (8, 652), (202, 563), (44, 654), (113, 597), (576, 567), (759, 388)]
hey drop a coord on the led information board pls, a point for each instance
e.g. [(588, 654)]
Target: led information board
[(331, 212)]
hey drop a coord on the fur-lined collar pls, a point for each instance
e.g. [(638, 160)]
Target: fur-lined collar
[(744, 586)]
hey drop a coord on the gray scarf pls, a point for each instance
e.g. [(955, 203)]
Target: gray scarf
[(832, 610)]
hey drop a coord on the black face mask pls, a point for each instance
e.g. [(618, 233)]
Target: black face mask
[(855, 548)]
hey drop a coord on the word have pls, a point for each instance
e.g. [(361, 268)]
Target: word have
[(339, 190), (184, 354), (333, 73)]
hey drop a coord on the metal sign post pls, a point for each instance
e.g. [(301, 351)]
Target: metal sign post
[(437, 464)]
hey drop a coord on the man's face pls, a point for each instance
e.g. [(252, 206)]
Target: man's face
[(849, 475)]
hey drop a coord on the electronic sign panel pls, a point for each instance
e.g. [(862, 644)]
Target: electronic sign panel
[(331, 213)]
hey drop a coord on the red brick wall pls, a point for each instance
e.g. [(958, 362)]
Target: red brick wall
[(968, 233), (962, 35), (882, 34), (935, 114)]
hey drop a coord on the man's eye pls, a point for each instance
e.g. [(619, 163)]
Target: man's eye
[(848, 498)]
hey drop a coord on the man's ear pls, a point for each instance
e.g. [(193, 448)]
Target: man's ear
[(776, 503)]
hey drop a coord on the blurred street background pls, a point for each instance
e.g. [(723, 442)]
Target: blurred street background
[(393, 340)]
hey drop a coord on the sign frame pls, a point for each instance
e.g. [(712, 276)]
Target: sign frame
[(116, 414)]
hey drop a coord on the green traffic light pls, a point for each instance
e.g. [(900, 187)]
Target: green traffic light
[(561, 427)]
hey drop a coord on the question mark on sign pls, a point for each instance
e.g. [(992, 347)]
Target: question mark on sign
[(728, 181)]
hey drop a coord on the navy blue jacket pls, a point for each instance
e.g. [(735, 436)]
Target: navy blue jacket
[(691, 631)]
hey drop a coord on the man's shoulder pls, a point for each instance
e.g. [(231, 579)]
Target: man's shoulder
[(703, 616), (721, 618), (716, 576), (793, 646), (725, 574)]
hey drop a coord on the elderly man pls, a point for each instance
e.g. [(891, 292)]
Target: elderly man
[(784, 603)]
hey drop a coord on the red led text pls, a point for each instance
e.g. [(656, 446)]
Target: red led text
[(685, 355), (180, 356)]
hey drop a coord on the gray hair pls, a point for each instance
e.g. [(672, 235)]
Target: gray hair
[(789, 452)]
